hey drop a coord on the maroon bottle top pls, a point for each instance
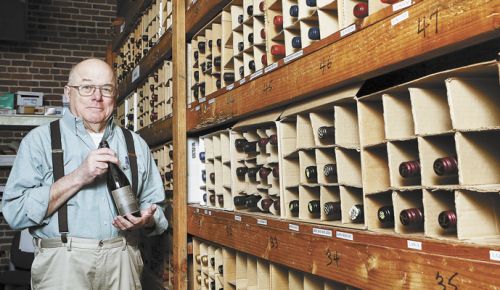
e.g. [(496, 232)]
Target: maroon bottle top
[(278, 50), (409, 169), (278, 21), (360, 10)]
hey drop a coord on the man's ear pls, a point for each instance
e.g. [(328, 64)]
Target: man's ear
[(66, 92)]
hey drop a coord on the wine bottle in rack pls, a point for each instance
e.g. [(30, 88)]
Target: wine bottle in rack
[(326, 132), (293, 206), (262, 6), (240, 18), (313, 33), (202, 89), (197, 76), (263, 59), (196, 55), (205, 198), (204, 175), (252, 172), (210, 44), (241, 46), (250, 10), (296, 42), (385, 215), (360, 10), (356, 213), (250, 38), (212, 285), (209, 64), (229, 77), (412, 216), (278, 50), (212, 262), (201, 46), (311, 3), (311, 173), (294, 10), (251, 202), (240, 200), (263, 33), (198, 258), (204, 260), (278, 21), (264, 204), (153, 116), (241, 171), (218, 42), (264, 172), (329, 170), (220, 199), (212, 199), (218, 84), (242, 71), (250, 147), (239, 144), (276, 170), (212, 177), (446, 166), (251, 65), (332, 210), (220, 269), (409, 169), (277, 206), (263, 142), (217, 61), (273, 139), (314, 207), (448, 220), (202, 156)]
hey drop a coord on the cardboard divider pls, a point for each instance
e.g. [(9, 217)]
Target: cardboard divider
[(209, 148), (373, 203), (305, 26), (350, 196), (398, 120), (263, 275), (288, 139), (246, 4), (307, 158), (229, 268), (399, 152), (326, 156), (217, 146), (218, 176), (274, 34), (290, 33), (329, 194), (225, 147), (435, 202), (328, 18), (251, 272), (241, 271), (349, 167), (478, 208), (312, 283), (371, 122), (296, 280), (346, 16), (290, 194), (320, 119), (346, 125), (478, 158), (288, 19), (279, 277), (307, 194), (430, 149), (403, 200), (474, 102), (375, 168), (431, 112)]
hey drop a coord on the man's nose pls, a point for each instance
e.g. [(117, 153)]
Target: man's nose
[(97, 94)]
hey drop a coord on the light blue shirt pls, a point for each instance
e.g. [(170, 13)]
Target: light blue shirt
[(91, 209)]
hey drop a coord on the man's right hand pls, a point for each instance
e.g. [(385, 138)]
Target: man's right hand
[(96, 164)]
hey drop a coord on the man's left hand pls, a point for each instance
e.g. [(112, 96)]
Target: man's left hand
[(130, 222)]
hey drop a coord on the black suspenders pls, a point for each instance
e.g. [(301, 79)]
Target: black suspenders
[(58, 167)]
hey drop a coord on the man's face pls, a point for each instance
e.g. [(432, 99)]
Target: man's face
[(94, 108)]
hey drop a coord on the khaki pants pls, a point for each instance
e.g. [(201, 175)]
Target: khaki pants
[(86, 264)]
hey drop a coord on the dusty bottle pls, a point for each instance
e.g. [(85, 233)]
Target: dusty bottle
[(385, 215), (356, 213), (448, 220), (412, 216), (293, 206), (332, 210), (409, 169), (314, 206), (118, 185), (311, 173)]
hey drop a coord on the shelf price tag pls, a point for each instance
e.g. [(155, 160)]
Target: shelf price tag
[(197, 108), (495, 255), (344, 236), (293, 227), (237, 218), (242, 81), (348, 30), (230, 87), (322, 232), (293, 56), (262, 222), (401, 5), (256, 74), (206, 211), (414, 245), (403, 16), (271, 67), (209, 212), (202, 100), (211, 101), (135, 73)]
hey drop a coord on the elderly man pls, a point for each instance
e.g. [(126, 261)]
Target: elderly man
[(81, 241)]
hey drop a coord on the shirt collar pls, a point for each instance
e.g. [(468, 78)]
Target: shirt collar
[(77, 123)]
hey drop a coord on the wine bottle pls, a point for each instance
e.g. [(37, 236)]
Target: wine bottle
[(212, 199), (409, 169), (212, 261), (264, 172), (264, 204), (314, 207), (221, 269), (332, 210), (311, 3), (204, 260), (311, 173), (446, 166), (229, 77), (202, 157), (153, 117), (273, 139), (263, 60), (263, 142), (356, 213), (313, 33), (251, 202), (263, 33), (210, 44), (276, 171), (204, 175), (296, 42), (326, 132), (217, 61), (130, 116), (412, 216), (240, 200), (118, 185), (241, 46), (252, 172), (168, 176), (201, 46), (242, 71), (278, 21), (202, 89), (250, 38), (250, 147), (212, 285), (278, 50), (218, 42), (329, 170), (241, 171), (250, 10), (205, 198), (448, 220), (294, 10), (220, 200), (240, 18), (212, 177), (196, 75), (262, 6), (277, 206), (239, 144), (218, 84), (385, 215), (196, 55), (293, 206), (360, 10), (251, 65)]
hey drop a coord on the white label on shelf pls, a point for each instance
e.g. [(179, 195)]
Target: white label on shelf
[(209, 212), (414, 245), (262, 222), (495, 255), (256, 74), (211, 101), (348, 30), (271, 67), (122, 27), (293, 56), (322, 232), (197, 210), (189, 106), (344, 236), (230, 87), (197, 108), (237, 218), (135, 73), (242, 81), (401, 5), (206, 211), (403, 16), (202, 100), (293, 227)]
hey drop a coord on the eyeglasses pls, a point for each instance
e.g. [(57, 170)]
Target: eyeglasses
[(107, 91)]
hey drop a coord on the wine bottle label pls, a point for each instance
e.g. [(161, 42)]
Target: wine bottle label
[(125, 200)]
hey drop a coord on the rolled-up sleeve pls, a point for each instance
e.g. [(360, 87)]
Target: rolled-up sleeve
[(152, 191), (26, 195)]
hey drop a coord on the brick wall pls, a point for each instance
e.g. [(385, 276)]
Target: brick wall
[(59, 34)]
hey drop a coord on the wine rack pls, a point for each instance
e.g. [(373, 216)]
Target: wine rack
[(218, 267)]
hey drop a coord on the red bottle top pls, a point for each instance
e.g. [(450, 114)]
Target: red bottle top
[(278, 21), (360, 10), (263, 59), (263, 33), (278, 50), (261, 6)]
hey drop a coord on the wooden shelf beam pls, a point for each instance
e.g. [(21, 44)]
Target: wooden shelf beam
[(157, 133), (360, 258), (425, 30), (200, 13)]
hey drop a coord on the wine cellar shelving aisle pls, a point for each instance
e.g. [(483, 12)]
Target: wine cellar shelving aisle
[(307, 145)]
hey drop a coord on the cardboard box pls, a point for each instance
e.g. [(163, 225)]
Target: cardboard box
[(6, 101), (195, 192), (33, 99)]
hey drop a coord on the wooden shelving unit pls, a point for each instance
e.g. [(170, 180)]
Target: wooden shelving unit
[(133, 10), (337, 61), (358, 258)]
